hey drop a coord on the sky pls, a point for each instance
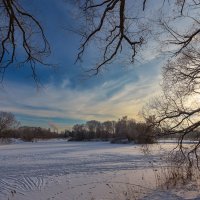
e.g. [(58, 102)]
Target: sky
[(66, 97)]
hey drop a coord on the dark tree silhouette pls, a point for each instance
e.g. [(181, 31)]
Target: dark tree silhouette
[(119, 26), (109, 22), (177, 111), (124, 25), (20, 31), (7, 121)]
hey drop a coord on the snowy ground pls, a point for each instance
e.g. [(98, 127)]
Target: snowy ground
[(57, 169)]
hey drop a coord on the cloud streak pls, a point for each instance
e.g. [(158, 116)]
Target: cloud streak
[(110, 99)]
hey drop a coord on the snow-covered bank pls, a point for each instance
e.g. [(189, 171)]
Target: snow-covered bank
[(57, 169)]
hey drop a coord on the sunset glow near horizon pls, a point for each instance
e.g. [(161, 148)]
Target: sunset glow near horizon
[(65, 96)]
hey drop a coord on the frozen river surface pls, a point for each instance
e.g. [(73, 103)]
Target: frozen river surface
[(57, 169)]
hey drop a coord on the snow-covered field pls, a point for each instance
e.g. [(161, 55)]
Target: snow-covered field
[(57, 169)]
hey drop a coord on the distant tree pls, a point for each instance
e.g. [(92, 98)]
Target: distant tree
[(132, 132), (67, 133), (31, 134), (139, 132), (121, 127), (93, 127), (109, 128), (144, 134), (124, 128), (79, 132), (7, 121)]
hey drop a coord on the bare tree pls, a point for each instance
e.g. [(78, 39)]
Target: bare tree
[(109, 127), (7, 121), (22, 39), (177, 111)]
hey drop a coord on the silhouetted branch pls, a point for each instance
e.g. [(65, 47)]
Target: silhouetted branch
[(109, 18), (19, 28)]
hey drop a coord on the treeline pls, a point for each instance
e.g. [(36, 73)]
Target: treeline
[(26, 133), (10, 128), (193, 135), (124, 128)]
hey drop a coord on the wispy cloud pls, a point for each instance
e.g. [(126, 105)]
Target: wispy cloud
[(108, 100)]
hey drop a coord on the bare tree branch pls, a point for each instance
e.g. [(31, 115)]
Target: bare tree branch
[(110, 15), (19, 28)]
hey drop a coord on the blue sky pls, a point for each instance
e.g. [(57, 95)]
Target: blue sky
[(66, 97)]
